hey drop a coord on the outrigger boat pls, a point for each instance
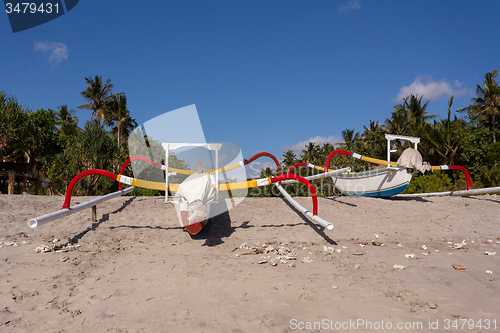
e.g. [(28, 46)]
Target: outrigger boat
[(195, 195), (391, 180), (193, 192), (384, 182)]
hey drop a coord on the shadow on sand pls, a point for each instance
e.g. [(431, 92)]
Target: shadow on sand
[(337, 200), (396, 198), (95, 225), (218, 227), (319, 229)]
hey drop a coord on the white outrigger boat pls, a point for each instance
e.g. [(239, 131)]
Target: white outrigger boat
[(384, 182), (390, 180)]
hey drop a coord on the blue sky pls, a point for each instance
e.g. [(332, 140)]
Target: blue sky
[(266, 75)]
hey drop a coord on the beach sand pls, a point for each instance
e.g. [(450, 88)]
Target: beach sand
[(136, 270)]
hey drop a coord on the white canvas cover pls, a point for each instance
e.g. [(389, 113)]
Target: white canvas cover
[(412, 159), (198, 192)]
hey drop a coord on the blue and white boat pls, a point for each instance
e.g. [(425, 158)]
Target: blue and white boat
[(383, 183)]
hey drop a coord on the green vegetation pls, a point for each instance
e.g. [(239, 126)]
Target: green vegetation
[(60, 149)]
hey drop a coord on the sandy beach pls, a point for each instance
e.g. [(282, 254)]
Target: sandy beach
[(261, 267)]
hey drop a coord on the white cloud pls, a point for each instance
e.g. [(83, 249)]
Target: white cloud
[(55, 51), (319, 140), (430, 89), (350, 5), (253, 169)]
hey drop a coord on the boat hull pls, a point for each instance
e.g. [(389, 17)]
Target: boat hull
[(380, 183), (194, 227)]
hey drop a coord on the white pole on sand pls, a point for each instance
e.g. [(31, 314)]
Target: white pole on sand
[(476, 191), (304, 211), (33, 223)]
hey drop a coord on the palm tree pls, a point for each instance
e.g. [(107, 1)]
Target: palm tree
[(350, 138), (324, 152), (445, 141), (411, 118), (94, 147), (310, 154), (289, 159), (417, 116), (373, 130), (397, 124), (97, 95), (118, 117), (373, 139), (54, 116), (487, 102), (66, 121), (327, 148)]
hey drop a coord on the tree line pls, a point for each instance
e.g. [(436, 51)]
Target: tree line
[(60, 149)]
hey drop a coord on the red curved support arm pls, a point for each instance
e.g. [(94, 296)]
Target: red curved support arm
[(81, 175), (303, 181), (137, 157), (464, 170), (124, 165), (256, 156), (333, 153), (296, 165)]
